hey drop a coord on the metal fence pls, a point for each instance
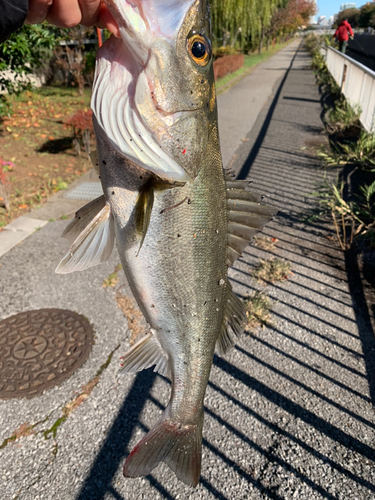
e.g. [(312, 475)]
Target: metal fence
[(357, 83)]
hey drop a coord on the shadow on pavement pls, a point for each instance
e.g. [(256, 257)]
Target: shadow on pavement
[(258, 143), (363, 317), (320, 356)]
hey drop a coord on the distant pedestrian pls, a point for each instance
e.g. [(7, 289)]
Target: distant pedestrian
[(342, 34)]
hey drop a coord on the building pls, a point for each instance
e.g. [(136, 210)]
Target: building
[(345, 6)]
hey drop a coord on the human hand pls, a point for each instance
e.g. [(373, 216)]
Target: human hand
[(69, 13)]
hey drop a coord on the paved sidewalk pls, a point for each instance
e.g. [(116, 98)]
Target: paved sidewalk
[(289, 413)]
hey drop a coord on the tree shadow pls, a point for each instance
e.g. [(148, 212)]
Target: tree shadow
[(56, 146)]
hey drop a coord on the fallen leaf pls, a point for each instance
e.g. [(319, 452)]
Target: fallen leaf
[(43, 136), (22, 206), (51, 137), (9, 129)]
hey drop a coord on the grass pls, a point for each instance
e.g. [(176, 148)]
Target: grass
[(265, 242), (271, 270), (133, 314), (250, 62), (343, 119), (350, 201), (258, 307), (112, 279), (360, 152), (354, 220)]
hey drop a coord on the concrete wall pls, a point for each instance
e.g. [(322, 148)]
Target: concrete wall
[(357, 83)]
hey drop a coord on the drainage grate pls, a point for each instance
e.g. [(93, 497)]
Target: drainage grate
[(85, 191), (40, 349)]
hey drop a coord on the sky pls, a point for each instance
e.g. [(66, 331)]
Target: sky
[(330, 7)]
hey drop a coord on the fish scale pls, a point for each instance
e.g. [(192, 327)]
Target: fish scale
[(177, 220)]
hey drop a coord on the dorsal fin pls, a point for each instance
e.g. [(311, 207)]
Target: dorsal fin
[(246, 217), (234, 321)]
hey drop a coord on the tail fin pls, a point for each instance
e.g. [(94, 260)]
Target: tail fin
[(178, 445)]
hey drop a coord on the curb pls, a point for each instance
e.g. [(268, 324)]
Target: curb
[(56, 207)]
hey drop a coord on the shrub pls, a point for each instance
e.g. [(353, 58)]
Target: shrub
[(227, 64), (82, 127)]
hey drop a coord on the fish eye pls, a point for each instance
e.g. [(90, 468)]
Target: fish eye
[(199, 49)]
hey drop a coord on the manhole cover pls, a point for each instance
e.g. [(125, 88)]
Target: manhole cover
[(39, 349)]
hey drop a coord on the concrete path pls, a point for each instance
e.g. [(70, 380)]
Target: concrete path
[(239, 108), (289, 413)]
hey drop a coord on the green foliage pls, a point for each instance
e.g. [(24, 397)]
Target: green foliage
[(272, 270), (353, 216), (343, 119), (359, 18), (247, 22), (352, 15), (360, 152), (354, 220), (367, 16), (258, 306), (21, 55)]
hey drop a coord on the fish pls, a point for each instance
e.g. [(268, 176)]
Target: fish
[(179, 220)]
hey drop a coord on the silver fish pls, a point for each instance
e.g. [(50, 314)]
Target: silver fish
[(178, 219)]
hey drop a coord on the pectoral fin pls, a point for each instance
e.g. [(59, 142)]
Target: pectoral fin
[(83, 218), (233, 322), (94, 244)]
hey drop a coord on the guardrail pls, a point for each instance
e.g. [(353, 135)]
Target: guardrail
[(357, 83)]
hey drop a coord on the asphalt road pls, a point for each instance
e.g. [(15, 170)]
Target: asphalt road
[(289, 413)]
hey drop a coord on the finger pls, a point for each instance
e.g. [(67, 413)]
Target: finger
[(106, 21), (38, 10), (65, 13), (90, 11)]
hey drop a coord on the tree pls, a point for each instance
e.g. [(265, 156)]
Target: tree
[(293, 16), (251, 21), (351, 14), (20, 56), (367, 16)]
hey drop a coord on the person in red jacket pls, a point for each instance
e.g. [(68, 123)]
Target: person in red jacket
[(342, 34)]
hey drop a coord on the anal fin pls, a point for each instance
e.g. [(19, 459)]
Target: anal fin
[(145, 353)]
